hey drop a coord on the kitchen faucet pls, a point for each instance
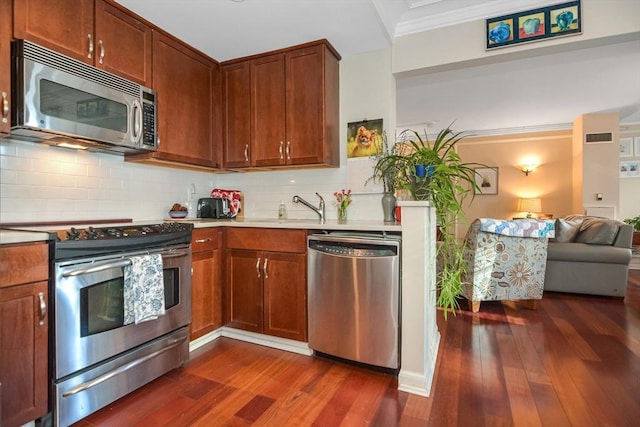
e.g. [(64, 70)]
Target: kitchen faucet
[(319, 210)]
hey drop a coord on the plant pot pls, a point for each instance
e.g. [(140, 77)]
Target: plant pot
[(388, 206), (636, 238)]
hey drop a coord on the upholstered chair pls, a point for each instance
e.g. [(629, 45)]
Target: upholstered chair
[(506, 260)]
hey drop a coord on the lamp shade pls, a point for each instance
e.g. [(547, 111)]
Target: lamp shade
[(530, 205)]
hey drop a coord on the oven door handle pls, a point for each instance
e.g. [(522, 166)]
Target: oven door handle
[(102, 378), (97, 268), (119, 264)]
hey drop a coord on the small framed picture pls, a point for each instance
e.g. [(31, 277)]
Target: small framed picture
[(636, 146), (486, 180), (630, 169), (626, 147)]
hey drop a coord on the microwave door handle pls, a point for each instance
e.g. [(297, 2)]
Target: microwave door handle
[(98, 268), (137, 120)]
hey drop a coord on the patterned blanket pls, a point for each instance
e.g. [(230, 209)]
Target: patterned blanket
[(519, 228)]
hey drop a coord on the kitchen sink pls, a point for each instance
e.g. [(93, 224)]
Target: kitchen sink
[(283, 221)]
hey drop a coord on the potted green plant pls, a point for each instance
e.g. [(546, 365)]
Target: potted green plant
[(635, 222), (388, 168), (446, 183)]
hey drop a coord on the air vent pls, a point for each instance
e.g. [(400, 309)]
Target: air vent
[(60, 62), (598, 138)]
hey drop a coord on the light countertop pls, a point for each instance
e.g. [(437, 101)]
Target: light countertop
[(308, 224)]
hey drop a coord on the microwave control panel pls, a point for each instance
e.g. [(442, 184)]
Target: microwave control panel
[(149, 119)]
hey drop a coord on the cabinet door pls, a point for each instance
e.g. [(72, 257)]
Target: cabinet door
[(285, 296), (23, 353), (236, 88), (5, 65), (205, 293), (268, 143), (305, 105), (65, 26), (183, 79), (123, 44), (206, 296), (244, 296)]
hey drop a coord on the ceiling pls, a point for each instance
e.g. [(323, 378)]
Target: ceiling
[(601, 79)]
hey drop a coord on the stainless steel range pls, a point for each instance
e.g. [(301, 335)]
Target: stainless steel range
[(101, 354)]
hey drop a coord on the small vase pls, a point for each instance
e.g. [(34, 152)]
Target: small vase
[(342, 215), (388, 206)]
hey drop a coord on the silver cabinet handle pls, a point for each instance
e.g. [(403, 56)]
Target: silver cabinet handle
[(246, 152), (264, 268), (90, 54), (288, 150), (43, 308), (5, 107), (280, 150), (207, 240), (258, 267), (101, 51)]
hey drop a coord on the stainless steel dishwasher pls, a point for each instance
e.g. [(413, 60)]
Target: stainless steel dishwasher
[(354, 296)]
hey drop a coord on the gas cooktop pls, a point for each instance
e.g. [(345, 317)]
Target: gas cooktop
[(82, 242)]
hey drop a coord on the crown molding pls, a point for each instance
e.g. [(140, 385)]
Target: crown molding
[(466, 14)]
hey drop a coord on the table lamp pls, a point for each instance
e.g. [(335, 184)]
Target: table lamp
[(530, 206)]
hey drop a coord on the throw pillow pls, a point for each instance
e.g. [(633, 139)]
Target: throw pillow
[(566, 230), (598, 231)]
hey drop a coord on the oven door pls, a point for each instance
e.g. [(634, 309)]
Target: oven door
[(89, 308)]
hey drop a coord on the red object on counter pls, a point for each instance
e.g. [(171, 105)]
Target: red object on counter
[(234, 197), (398, 213)]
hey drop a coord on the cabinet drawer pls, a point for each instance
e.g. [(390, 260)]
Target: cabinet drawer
[(23, 263), (267, 239), (204, 239)]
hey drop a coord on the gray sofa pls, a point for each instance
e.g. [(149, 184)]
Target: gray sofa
[(589, 255)]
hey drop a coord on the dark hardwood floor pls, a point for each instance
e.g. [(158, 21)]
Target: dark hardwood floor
[(575, 361)]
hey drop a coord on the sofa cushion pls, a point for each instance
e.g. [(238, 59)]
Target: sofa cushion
[(566, 230), (598, 231), (581, 252)]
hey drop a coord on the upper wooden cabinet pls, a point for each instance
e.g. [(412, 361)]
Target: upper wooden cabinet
[(290, 116), (5, 61), (97, 32), (236, 90), (187, 83)]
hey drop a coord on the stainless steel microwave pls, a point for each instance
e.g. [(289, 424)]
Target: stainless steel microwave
[(61, 101)]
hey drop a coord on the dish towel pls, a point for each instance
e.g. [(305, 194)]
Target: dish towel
[(143, 289)]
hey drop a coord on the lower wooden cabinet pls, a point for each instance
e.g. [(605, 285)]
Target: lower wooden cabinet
[(265, 287), (23, 332), (206, 295)]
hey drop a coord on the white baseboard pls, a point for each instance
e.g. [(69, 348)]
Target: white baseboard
[(252, 337), (420, 382)]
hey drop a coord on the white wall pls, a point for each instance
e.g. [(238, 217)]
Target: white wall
[(42, 183)]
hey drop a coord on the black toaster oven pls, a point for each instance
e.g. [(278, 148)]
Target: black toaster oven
[(213, 207)]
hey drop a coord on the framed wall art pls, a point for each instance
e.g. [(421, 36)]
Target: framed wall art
[(626, 147), (533, 25), (630, 169), (487, 180)]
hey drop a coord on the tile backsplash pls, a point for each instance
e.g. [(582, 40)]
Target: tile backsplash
[(42, 183)]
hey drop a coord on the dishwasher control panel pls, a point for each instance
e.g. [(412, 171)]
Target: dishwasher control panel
[(353, 250)]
